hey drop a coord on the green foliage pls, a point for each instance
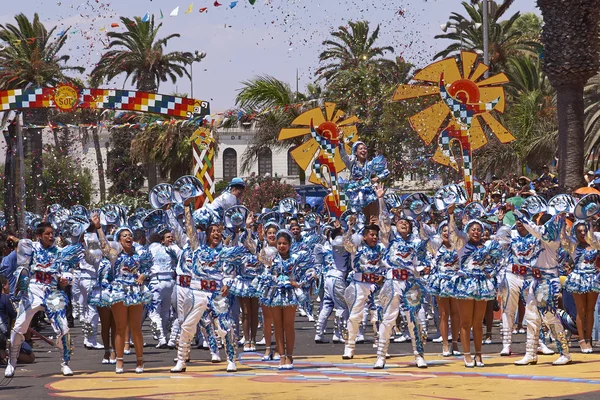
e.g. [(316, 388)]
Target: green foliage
[(220, 186), (30, 54), (140, 55), (126, 176), (264, 192)]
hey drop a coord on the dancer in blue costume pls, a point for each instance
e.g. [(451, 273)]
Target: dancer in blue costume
[(364, 174), (584, 281), (445, 265), (44, 272), (128, 292), (475, 283), (288, 273)]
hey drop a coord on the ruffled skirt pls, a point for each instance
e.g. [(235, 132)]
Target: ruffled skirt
[(280, 293), (440, 284), (244, 287), (100, 295), (129, 294), (582, 282), (360, 196), (473, 286)]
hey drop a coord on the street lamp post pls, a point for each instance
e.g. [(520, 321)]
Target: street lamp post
[(198, 56), (486, 39)]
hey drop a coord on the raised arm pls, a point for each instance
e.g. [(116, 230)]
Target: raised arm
[(178, 232), (109, 250), (190, 229), (458, 238)]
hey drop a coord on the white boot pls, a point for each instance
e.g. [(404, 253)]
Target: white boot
[(380, 363), (320, 339), (215, 358), (337, 339), (564, 359), (179, 367), (528, 359), (420, 362), (9, 372), (348, 353), (66, 371), (231, 367), (506, 350)]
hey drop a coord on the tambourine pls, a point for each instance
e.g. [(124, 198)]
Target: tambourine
[(154, 219), (535, 205), (75, 226), (561, 203), (393, 202), (289, 206), (310, 220), (80, 210), (587, 207), (186, 187), (160, 195), (475, 210), (235, 217), (271, 216), (416, 204), (449, 195), (58, 218)]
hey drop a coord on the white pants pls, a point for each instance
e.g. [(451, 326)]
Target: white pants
[(198, 306), (77, 303), (161, 306), (182, 300), (534, 323), (28, 307), (333, 299), (390, 297), (356, 295), (88, 313), (511, 293)]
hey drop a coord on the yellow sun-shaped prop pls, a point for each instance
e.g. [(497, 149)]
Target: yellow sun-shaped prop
[(331, 127), (466, 100), (328, 129)]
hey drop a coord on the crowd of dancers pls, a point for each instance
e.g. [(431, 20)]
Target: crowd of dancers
[(213, 272)]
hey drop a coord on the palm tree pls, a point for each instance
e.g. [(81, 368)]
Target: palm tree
[(571, 57), (268, 93), (351, 49), (30, 55), (504, 40), (140, 55)]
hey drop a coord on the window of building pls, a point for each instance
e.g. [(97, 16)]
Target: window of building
[(292, 166), (229, 164), (265, 162)]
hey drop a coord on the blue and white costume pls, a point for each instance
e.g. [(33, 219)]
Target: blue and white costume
[(209, 275), (247, 268), (368, 268), (402, 290), (359, 190), (585, 277), (445, 263), (541, 296), (335, 262), (124, 272), (476, 278), (277, 289), (515, 278), (162, 282), (87, 282), (40, 272)]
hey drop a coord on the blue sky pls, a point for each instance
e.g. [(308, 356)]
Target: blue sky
[(273, 37)]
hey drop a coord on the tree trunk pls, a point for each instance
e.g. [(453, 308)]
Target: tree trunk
[(101, 181), (10, 179), (36, 117), (570, 136)]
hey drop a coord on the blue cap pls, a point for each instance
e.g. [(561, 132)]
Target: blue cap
[(596, 181), (597, 172), (237, 182)]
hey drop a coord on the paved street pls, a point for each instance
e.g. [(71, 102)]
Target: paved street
[(319, 373)]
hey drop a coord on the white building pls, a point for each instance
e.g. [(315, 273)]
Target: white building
[(232, 144)]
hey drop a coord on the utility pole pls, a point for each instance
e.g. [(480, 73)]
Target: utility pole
[(486, 28)]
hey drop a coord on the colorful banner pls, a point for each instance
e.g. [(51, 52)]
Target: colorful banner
[(129, 100)]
